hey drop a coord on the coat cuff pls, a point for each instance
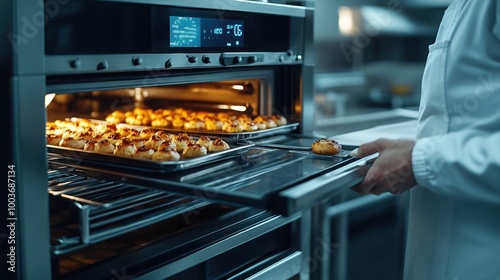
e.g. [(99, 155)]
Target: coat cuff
[(421, 171)]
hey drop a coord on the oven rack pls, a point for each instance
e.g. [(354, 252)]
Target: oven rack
[(87, 210)]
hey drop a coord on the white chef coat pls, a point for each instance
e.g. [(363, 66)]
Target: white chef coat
[(454, 221)]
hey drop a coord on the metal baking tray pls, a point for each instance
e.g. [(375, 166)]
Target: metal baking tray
[(236, 148), (282, 129)]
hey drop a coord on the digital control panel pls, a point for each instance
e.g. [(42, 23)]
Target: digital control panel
[(196, 32)]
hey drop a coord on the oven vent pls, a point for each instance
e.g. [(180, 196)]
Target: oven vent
[(86, 210)]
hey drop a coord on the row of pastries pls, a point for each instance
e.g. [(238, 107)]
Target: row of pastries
[(181, 118), (119, 140)]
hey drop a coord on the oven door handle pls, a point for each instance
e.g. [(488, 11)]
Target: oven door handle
[(312, 192)]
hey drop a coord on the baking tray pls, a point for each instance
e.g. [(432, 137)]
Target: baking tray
[(282, 129), (236, 148)]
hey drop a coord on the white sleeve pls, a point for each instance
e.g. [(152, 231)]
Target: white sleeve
[(463, 164)]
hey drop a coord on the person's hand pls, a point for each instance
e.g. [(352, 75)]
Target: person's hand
[(391, 171)]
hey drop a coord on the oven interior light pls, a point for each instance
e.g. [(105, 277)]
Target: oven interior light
[(239, 108), (238, 87), (48, 98)]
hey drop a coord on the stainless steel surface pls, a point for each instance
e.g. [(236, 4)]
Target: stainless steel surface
[(270, 179), (314, 191), (107, 209)]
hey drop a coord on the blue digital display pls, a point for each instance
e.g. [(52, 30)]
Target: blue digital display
[(193, 32)]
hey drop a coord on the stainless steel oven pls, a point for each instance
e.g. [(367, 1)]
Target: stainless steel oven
[(247, 214)]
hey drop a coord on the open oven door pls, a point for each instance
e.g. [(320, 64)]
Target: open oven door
[(281, 180)]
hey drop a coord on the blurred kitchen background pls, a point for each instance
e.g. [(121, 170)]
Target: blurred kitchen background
[(369, 57)]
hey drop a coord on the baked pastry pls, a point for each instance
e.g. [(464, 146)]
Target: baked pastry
[(71, 142), (218, 145), (160, 122), (144, 153), (194, 150), (135, 134), (232, 127), (204, 141), (326, 147), (54, 139), (154, 142), (249, 126), (147, 133), (165, 135), (279, 120), (166, 144), (125, 147), (125, 131), (90, 145), (181, 141), (116, 117), (166, 154), (194, 124), (213, 124), (139, 142), (105, 147)]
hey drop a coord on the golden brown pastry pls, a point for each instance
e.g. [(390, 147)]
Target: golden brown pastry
[(194, 150), (160, 122), (204, 141), (279, 119), (232, 127), (90, 145), (144, 153), (249, 126), (105, 147), (154, 142), (181, 140), (218, 145), (71, 142), (165, 135), (326, 147), (125, 147), (166, 144), (166, 154), (194, 124), (213, 124), (54, 139), (147, 133), (116, 117)]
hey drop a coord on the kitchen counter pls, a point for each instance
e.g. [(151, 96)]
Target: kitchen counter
[(402, 130)]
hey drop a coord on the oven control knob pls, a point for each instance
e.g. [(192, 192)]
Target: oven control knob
[(206, 59), (137, 61), (289, 52), (168, 63), (192, 59), (103, 65), (75, 63), (252, 59), (237, 59)]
